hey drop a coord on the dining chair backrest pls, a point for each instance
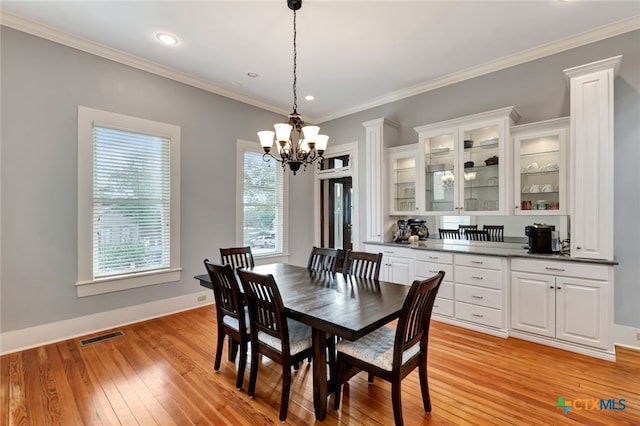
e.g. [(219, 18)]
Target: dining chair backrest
[(362, 264), (477, 234), (322, 259), (237, 257), (449, 234), (496, 232), (413, 324), (266, 309), (226, 292), (463, 228)]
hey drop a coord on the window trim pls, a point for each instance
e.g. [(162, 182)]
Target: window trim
[(254, 146), (86, 284)]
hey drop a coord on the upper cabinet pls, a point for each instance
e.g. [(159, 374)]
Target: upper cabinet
[(463, 164), (403, 178), (540, 167)]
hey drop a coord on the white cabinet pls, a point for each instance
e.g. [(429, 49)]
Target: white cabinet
[(402, 177), (591, 145), (429, 263), (479, 290), (397, 263), (569, 301), (464, 164), (379, 133), (540, 167)]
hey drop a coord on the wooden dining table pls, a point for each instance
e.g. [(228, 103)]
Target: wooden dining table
[(332, 304)]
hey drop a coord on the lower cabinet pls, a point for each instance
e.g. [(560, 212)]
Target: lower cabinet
[(397, 263), (564, 301), (429, 263)]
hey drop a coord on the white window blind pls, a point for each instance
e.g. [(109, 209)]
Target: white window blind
[(131, 202), (263, 204)]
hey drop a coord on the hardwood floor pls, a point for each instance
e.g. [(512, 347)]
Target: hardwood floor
[(161, 372)]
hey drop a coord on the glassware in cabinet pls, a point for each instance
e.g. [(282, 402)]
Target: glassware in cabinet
[(440, 159), (482, 171), (403, 176)]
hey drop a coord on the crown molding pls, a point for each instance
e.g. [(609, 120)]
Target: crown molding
[(612, 30)]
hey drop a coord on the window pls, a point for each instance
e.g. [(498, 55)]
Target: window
[(261, 201), (128, 202), (452, 222)]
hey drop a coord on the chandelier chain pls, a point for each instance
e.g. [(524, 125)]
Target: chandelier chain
[(295, 57)]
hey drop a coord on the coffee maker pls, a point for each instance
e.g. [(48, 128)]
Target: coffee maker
[(418, 228), (403, 232), (540, 237)]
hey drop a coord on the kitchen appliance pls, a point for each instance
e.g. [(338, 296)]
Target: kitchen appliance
[(419, 228), (403, 232), (540, 237)]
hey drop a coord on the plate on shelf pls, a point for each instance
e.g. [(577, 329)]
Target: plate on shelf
[(440, 150), (489, 143)]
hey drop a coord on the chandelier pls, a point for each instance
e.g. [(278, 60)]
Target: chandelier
[(296, 144)]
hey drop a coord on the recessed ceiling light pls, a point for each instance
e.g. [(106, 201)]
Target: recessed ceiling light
[(167, 39), (252, 74), (309, 97)]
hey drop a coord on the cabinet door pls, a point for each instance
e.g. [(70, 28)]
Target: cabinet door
[(402, 170), (533, 303), (540, 184), (582, 311), (400, 270), (439, 151)]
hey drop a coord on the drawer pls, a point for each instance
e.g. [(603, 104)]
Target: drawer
[(446, 290), (479, 296), (489, 262), (443, 307), (429, 269), (391, 251), (479, 277), (479, 314), (562, 269), (434, 256)]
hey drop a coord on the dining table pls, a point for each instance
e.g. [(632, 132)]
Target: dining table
[(332, 304)]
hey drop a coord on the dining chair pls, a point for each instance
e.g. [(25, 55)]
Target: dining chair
[(449, 234), (393, 354), (463, 228), (496, 232), (237, 257), (322, 259), (231, 314), (477, 234), (362, 264), (273, 335)]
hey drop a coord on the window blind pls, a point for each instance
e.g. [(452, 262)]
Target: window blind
[(263, 202), (131, 202)]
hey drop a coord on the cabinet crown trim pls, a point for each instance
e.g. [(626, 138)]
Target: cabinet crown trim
[(604, 64), (510, 112), (381, 121)]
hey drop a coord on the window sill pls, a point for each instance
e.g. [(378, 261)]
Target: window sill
[(126, 282)]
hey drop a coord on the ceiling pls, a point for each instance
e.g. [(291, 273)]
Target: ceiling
[(351, 55)]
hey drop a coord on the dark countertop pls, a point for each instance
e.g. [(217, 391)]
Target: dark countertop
[(490, 249)]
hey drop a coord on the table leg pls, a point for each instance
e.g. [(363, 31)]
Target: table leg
[(320, 384)]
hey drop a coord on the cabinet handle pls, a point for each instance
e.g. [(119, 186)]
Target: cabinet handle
[(435, 306), (516, 207), (559, 288), (478, 262), (549, 268), (551, 286), (477, 315), (432, 271), (433, 257), (477, 297), (477, 278), (387, 251), (579, 248)]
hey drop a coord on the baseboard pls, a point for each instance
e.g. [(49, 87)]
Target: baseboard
[(18, 340), (626, 336), (607, 355), (464, 324)]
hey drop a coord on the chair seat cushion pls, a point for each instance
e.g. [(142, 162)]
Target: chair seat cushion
[(232, 322), (376, 348), (299, 337)]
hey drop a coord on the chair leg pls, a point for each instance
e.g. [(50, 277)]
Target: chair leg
[(233, 349), (286, 386), (253, 374), (397, 401), (219, 345), (338, 382), (370, 378), (242, 364), (424, 386)]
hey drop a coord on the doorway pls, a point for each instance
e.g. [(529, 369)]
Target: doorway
[(336, 204)]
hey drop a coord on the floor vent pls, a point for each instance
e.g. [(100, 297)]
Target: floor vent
[(86, 342)]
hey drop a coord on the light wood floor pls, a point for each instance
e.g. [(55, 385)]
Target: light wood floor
[(160, 372)]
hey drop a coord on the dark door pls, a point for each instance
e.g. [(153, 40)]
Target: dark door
[(337, 206)]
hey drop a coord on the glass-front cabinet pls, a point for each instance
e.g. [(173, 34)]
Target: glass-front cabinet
[(464, 168), (403, 177), (540, 167)]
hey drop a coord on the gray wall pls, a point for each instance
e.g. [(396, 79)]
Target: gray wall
[(42, 85), (539, 92)]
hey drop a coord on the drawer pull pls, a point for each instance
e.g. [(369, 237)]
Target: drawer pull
[(387, 251), (435, 306), (433, 257), (549, 268), (478, 262), (477, 297), (476, 277), (477, 315), (433, 272)]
